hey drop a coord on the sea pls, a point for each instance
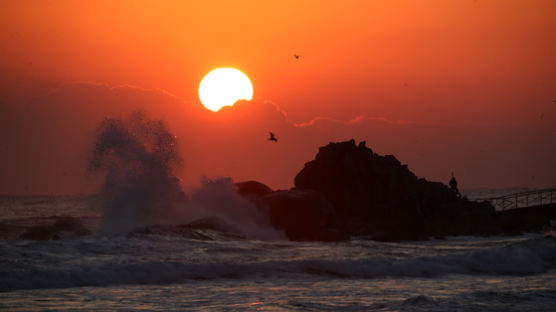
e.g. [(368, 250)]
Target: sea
[(205, 269)]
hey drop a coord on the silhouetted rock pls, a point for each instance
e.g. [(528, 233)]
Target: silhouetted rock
[(378, 197), (55, 231), (348, 190), (302, 215), (530, 219), (252, 189)]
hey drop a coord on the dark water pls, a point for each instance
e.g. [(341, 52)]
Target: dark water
[(212, 270)]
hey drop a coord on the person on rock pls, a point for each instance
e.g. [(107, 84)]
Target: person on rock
[(454, 185)]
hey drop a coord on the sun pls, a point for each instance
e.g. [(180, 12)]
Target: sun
[(223, 87)]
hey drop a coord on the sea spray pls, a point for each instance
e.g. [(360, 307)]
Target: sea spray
[(219, 198), (139, 156)]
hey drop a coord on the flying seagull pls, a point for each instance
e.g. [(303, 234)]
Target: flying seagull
[(272, 137), (296, 56)]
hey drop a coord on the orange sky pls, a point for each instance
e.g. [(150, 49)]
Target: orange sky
[(469, 79)]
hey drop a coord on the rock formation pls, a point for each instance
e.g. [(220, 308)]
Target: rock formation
[(302, 214), (348, 190), (55, 231)]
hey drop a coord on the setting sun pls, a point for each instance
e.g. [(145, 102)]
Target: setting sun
[(223, 87), (278, 155)]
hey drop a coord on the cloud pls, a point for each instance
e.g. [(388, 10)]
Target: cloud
[(46, 141), (356, 120), (60, 88), (268, 103)]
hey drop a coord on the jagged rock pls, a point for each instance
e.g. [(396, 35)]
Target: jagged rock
[(348, 190), (378, 197), (302, 215), (55, 230)]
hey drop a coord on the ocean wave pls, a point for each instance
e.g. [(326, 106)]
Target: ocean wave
[(527, 257)]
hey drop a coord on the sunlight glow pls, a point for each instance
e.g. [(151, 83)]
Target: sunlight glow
[(223, 87)]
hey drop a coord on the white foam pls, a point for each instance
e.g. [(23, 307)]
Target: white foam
[(154, 259)]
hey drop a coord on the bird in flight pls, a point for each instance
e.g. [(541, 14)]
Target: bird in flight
[(272, 137), (296, 56)]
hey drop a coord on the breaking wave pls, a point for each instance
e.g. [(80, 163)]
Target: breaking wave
[(139, 156), (243, 260)]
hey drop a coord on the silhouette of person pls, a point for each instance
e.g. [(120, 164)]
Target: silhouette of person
[(454, 185)]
